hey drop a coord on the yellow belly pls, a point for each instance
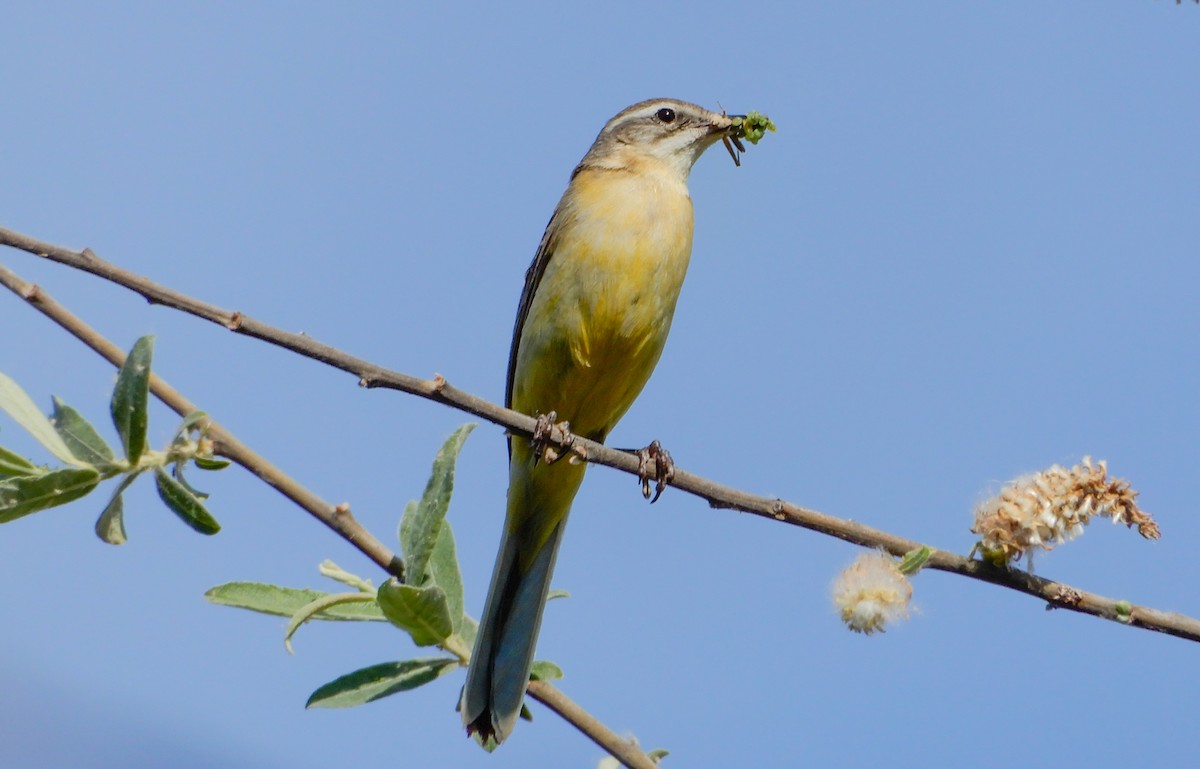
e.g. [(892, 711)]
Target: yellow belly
[(603, 308)]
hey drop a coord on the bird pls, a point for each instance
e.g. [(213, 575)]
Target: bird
[(591, 324)]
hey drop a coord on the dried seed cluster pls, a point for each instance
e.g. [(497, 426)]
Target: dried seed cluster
[(871, 592), (1043, 509)]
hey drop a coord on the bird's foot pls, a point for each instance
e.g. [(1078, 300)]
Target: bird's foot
[(664, 469), (543, 430)]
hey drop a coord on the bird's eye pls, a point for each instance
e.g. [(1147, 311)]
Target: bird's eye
[(666, 115)]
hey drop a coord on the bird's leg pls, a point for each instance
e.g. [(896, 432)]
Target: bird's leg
[(542, 432), (664, 469)]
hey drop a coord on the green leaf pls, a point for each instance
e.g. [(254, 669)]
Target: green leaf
[(287, 601), (190, 421), (443, 568), (658, 754), (314, 608), (421, 611), (79, 435), (27, 494), (110, 526), (914, 560), (419, 535), (329, 569), (184, 504), (468, 631), (12, 464), (130, 400), (207, 463), (378, 681), (405, 534), (177, 474), (25, 412), (545, 670)]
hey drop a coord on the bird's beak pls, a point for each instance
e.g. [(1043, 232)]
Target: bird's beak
[(724, 126), (721, 122)]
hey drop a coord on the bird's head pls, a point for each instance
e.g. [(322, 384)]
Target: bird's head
[(668, 130)]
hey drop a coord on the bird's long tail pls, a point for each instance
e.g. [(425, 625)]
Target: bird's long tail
[(508, 630)]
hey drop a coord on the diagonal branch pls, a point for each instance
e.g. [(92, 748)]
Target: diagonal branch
[(1056, 594), (336, 517), (624, 750)]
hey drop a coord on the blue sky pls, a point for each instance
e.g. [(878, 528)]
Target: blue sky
[(969, 253)]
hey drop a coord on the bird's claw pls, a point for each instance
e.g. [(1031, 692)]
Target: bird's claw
[(543, 431), (664, 469)]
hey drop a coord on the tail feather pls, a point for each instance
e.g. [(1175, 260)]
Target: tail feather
[(500, 665)]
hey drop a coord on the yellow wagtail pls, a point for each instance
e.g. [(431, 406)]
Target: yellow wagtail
[(591, 325)]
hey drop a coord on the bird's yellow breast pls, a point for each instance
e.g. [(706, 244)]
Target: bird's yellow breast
[(602, 310)]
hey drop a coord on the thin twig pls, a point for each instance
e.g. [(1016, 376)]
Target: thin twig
[(1056, 594)]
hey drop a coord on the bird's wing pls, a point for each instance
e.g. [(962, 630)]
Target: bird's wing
[(533, 277)]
